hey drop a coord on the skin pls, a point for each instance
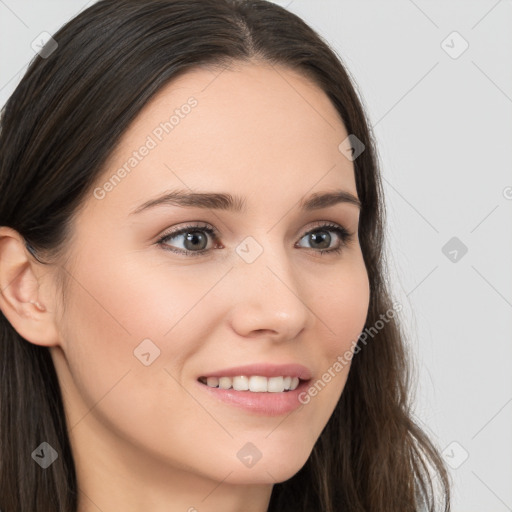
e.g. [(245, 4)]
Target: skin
[(146, 437)]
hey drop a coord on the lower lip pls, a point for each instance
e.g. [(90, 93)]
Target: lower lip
[(266, 403)]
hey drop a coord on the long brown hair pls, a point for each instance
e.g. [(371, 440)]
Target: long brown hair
[(57, 130)]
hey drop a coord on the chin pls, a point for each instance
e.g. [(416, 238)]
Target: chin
[(261, 477), (271, 471)]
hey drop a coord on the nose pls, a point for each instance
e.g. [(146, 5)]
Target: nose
[(268, 300)]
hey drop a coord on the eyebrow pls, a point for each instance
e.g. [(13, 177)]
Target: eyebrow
[(228, 202)]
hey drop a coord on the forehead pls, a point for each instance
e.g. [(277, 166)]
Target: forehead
[(256, 130)]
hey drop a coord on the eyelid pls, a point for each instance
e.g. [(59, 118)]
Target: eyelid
[(199, 225), (325, 223), (189, 227)]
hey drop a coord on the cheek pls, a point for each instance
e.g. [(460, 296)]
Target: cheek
[(343, 308), (122, 317), (108, 316), (121, 300)]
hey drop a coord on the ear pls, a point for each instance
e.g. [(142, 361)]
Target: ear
[(25, 291)]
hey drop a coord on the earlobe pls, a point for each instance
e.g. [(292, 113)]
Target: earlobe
[(21, 287)]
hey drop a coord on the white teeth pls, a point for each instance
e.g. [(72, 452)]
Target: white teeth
[(224, 383), (275, 384), (254, 383), (258, 384), (213, 382), (241, 383)]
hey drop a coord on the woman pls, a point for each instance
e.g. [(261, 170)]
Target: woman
[(194, 308)]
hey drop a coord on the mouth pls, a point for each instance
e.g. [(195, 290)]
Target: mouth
[(257, 394), (254, 383)]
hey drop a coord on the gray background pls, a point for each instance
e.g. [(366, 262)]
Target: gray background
[(444, 130)]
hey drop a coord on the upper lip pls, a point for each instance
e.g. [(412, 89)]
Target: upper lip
[(265, 370)]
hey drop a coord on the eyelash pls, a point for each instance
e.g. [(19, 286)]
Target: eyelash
[(343, 234)]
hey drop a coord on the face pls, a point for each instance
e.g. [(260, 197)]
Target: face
[(145, 319)]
